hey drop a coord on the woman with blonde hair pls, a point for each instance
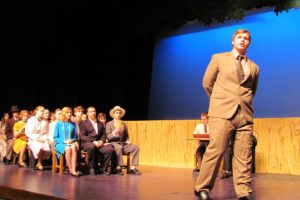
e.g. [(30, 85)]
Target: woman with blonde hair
[(20, 144), (65, 137)]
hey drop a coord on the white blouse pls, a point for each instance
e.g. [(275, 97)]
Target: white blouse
[(37, 129)]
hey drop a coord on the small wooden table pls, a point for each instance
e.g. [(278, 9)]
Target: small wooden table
[(200, 140)]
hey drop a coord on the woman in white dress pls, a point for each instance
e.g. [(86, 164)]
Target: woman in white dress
[(37, 132)]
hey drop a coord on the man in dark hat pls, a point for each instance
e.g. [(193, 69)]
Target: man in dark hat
[(9, 132)]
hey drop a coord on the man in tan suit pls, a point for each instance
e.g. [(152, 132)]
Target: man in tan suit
[(230, 81)]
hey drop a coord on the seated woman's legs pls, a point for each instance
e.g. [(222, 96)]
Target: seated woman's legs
[(21, 156)]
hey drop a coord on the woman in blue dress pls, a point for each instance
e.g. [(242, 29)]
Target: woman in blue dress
[(65, 138)]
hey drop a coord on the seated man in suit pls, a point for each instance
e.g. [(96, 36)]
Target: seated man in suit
[(93, 138), (117, 134), (201, 128)]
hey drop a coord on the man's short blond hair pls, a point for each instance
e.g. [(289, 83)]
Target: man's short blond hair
[(239, 31)]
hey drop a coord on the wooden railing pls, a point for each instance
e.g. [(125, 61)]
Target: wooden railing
[(164, 143)]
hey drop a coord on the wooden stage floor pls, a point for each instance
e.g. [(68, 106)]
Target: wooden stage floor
[(155, 183)]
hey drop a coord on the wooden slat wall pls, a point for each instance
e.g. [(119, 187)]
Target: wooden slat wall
[(278, 145), (164, 143)]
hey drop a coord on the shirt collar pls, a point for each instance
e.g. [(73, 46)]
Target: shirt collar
[(236, 54)]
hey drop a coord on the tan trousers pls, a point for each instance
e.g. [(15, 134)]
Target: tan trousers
[(221, 131), (129, 148)]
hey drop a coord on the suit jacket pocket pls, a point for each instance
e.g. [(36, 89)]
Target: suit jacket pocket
[(218, 96)]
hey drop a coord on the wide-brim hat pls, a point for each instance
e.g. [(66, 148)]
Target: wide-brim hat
[(14, 109), (111, 112)]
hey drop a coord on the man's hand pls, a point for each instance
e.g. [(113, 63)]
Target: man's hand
[(116, 132), (98, 143)]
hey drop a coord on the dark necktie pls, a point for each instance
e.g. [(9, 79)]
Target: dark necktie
[(240, 68), (205, 128)]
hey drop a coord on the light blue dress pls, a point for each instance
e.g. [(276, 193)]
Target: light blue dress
[(64, 131)]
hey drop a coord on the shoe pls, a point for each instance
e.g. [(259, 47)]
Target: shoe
[(118, 172), (39, 167), (7, 162), (203, 195), (248, 197), (22, 165), (76, 174), (92, 171), (196, 170), (226, 175), (134, 172), (104, 172)]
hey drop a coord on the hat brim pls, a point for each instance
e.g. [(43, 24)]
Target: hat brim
[(111, 112)]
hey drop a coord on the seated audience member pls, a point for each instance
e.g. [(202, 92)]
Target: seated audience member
[(46, 115), (102, 118), (65, 137), (201, 128), (52, 124), (93, 138), (4, 119), (37, 132), (9, 132), (20, 144), (117, 134), (78, 112), (227, 159), (52, 117), (84, 117)]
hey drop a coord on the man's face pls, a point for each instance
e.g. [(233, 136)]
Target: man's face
[(78, 113), (204, 120), (91, 113), (241, 42), (40, 113), (16, 114), (117, 114)]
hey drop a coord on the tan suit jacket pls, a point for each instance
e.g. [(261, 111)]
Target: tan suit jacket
[(222, 85)]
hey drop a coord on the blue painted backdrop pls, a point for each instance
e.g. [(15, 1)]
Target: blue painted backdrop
[(180, 61)]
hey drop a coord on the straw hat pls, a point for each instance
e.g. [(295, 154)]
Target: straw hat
[(111, 112)]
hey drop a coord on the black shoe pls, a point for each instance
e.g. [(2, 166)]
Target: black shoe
[(196, 170), (203, 195), (104, 172), (7, 162), (248, 197), (226, 175), (134, 172), (118, 172), (92, 171)]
